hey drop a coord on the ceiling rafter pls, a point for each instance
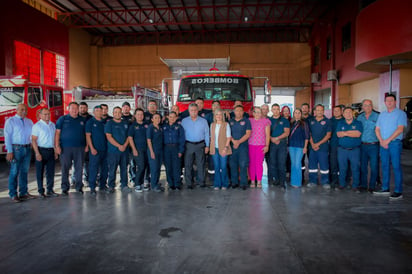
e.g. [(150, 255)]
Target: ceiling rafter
[(194, 15)]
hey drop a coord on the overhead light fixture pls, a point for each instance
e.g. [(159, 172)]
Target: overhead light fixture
[(245, 19), (150, 21)]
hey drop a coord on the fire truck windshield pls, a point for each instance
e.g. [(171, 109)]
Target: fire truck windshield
[(215, 88), (11, 96)]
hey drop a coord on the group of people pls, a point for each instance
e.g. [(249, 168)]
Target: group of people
[(235, 144)]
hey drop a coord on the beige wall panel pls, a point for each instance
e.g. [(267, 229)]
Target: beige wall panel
[(302, 96), (343, 95), (79, 58), (193, 51), (284, 64), (405, 86), (366, 90)]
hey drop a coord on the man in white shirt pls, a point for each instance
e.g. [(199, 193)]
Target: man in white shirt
[(43, 146), (17, 138)]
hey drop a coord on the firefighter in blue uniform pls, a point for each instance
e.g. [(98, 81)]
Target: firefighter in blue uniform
[(138, 144), (239, 160), (154, 135), (320, 130), (349, 132), (174, 145), (116, 133), (97, 143)]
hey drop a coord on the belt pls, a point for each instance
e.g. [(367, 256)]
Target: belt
[(16, 145), (195, 143), (46, 148), (349, 148), (373, 143)]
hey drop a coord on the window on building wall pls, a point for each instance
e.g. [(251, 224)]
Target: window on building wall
[(328, 48), (27, 62), (316, 56), (323, 97), (346, 37)]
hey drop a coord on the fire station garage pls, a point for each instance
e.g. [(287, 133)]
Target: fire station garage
[(163, 55)]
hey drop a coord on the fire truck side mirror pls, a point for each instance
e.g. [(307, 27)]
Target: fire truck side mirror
[(267, 99), (165, 93), (267, 88)]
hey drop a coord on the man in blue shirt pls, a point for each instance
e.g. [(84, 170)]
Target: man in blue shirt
[(84, 112), (349, 132), (97, 143), (117, 153), (320, 131), (389, 130), (307, 117), (43, 146), (201, 111), (333, 146), (17, 137), (70, 141), (370, 146), (197, 144), (279, 132), (138, 145), (174, 146), (239, 160)]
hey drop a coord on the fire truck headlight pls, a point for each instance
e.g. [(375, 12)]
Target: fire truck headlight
[(1, 132)]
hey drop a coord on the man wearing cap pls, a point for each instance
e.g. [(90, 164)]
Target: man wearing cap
[(17, 138), (126, 115), (105, 113), (43, 146), (70, 142), (97, 143)]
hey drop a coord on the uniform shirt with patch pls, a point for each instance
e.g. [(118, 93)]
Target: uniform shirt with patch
[(349, 142), (239, 128), (96, 129), (138, 132), (156, 136), (318, 130), (174, 134), (118, 132), (72, 131), (278, 126)]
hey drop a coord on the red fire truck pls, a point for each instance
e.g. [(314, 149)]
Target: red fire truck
[(15, 90), (227, 87)]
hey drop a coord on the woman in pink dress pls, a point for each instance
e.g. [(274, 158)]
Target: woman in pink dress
[(258, 145)]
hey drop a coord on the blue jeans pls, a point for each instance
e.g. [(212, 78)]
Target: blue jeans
[(352, 156), (369, 153), (239, 163), (173, 164), (392, 155), (98, 163), (155, 165), (278, 155), (114, 160), (19, 167), (220, 163), (48, 162), (296, 154), (321, 158)]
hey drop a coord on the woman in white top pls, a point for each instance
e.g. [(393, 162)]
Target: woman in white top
[(220, 137)]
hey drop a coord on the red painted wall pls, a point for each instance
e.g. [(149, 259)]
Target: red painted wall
[(383, 28), (343, 62), (19, 21)]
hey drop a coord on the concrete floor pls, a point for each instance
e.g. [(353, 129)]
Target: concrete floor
[(207, 231)]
